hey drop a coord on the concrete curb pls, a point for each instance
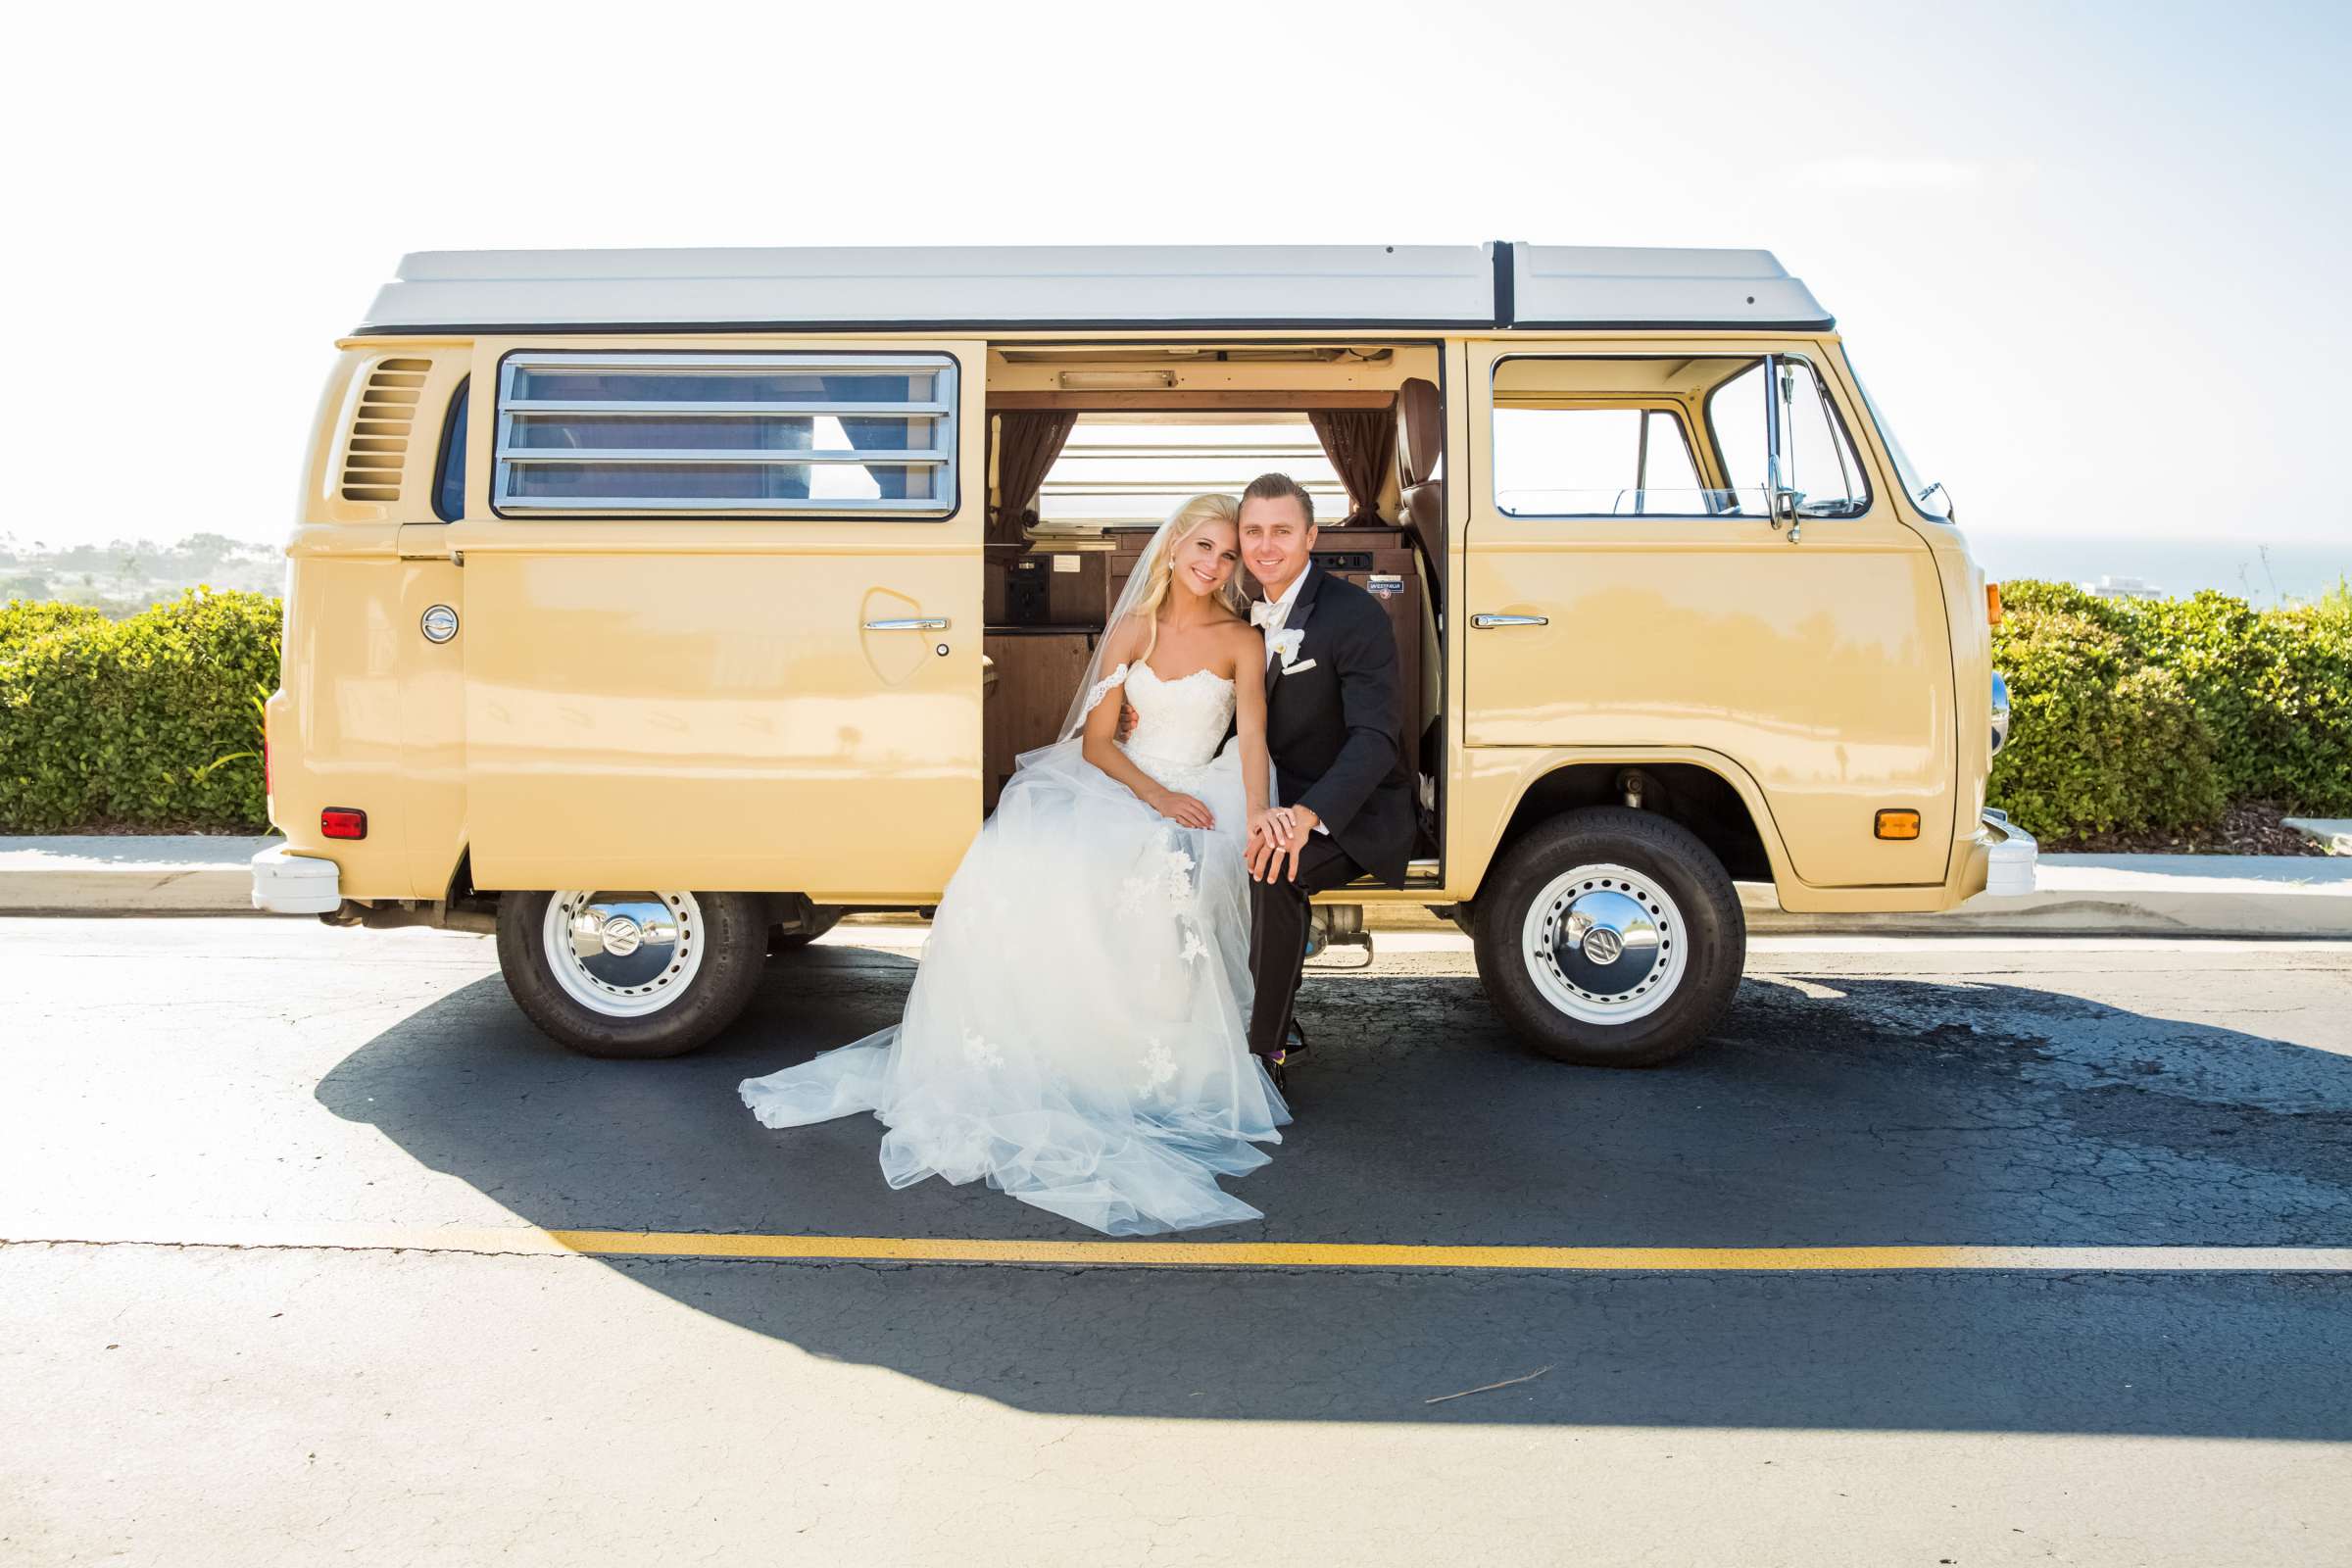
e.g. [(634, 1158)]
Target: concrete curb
[(2333, 833), (132, 873), (2123, 895), (2078, 895)]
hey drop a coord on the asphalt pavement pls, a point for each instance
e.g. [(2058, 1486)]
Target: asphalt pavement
[(301, 1264)]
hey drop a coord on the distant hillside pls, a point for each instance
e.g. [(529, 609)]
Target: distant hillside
[(127, 575)]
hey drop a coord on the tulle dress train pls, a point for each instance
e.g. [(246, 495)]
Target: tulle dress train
[(1075, 1033)]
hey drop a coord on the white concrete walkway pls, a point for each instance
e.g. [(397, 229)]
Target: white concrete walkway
[(2148, 894), (2152, 894), (128, 873)]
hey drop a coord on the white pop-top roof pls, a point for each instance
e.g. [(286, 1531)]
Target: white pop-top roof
[(1500, 285)]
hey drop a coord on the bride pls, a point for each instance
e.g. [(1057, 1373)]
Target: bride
[(1076, 1032)]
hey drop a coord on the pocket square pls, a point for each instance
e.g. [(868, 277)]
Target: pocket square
[(1293, 670)]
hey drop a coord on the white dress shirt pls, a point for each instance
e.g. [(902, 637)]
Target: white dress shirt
[(1281, 615), (1276, 622)]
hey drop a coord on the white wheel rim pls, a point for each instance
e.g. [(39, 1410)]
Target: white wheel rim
[(624, 954), (1604, 944)]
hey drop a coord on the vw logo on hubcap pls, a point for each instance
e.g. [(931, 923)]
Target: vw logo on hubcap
[(1603, 945), (621, 935)]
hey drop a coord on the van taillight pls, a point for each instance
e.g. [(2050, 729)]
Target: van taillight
[(343, 823), (1993, 604)]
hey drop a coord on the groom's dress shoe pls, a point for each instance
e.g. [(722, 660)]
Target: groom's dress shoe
[(1294, 1045)]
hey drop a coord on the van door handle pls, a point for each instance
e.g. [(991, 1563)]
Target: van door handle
[(910, 624), (1481, 622)]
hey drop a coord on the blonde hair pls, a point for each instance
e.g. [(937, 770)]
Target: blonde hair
[(1188, 519)]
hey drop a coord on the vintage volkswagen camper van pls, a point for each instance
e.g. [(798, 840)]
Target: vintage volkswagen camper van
[(652, 608)]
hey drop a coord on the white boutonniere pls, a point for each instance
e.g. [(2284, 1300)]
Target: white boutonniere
[(1285, 644)]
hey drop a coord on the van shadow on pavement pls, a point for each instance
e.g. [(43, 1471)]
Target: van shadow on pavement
[(1867, 1111)]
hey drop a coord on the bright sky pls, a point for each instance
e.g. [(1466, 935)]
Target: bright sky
[(2092, 262)]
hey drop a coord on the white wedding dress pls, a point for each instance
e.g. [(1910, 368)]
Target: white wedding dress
[(1076, 1031)]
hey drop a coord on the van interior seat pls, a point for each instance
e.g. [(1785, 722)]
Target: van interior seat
[(1420, 442)]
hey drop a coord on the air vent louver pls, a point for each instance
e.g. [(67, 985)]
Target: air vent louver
[(378, 445)]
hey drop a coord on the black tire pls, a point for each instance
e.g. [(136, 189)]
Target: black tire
[(733, 932), (1712, 927), (780, 943)]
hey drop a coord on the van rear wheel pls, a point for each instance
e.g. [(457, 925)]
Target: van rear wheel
[(1610, 938), (631, 975)]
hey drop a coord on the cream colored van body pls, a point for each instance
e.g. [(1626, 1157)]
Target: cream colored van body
[(789, 701)]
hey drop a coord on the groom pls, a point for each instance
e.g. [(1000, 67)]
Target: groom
[(1334, 728)]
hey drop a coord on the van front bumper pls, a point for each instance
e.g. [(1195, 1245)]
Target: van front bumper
[(2010, 855), (287, 883)]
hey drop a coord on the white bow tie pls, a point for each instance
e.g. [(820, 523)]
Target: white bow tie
[(1265, 613)]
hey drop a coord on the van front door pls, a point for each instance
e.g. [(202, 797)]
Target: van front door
[(1627, 584), (721, 620)]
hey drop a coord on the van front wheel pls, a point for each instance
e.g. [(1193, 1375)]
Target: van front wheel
[(1610, 938), (631, 975)]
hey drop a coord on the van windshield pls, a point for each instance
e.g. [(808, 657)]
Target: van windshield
[(1927, 495)]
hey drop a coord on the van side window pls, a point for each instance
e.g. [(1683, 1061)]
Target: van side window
[(1593, 461), (760, 433), (1736, 421), (1816, 456), (1622, 435), (449, 477)]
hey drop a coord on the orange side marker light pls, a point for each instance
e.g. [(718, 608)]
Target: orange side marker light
[(1993, 604), (1898, 824)]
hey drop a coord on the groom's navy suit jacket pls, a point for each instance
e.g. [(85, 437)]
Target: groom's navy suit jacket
[(1336, 729)]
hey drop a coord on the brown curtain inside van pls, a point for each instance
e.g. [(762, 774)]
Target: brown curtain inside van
[(1360, 442), (1028, 440)]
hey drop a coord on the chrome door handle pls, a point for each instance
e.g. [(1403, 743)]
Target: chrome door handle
[(1481, 622), (910, 624)]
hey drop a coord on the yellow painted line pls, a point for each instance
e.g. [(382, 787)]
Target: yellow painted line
[(530, 1240), (1362, 1255)]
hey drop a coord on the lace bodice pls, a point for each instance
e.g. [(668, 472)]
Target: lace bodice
[(1179, 723)]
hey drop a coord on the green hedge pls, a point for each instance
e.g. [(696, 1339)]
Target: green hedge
[(122, 723), (2160, 713), (24, 619), (2128, 716)]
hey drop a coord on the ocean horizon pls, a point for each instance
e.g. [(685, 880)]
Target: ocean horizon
[(2296, 572)]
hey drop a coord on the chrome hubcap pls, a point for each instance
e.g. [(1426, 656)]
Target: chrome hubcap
[(624, 954), (1600, 944), (1604, 944)]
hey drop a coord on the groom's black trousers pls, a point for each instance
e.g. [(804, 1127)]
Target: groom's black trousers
[(1278, 917)]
